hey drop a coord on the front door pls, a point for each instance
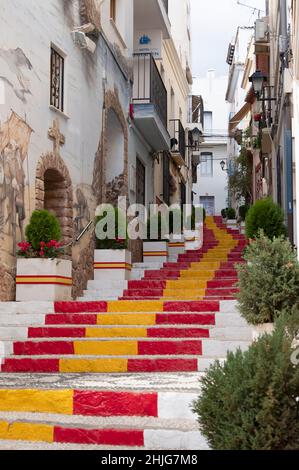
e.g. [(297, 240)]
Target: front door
[(208, 203)]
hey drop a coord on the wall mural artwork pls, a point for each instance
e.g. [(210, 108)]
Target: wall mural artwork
[(13, 66), (15, 136)]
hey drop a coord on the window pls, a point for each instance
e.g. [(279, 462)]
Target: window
[(113, 10), (208, 121), (206, 164), (57, 80)]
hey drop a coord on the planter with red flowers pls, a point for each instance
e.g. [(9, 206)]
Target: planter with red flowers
[(112, 259), (42, 274)]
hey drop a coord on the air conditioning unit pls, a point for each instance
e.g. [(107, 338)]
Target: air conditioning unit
[(261, 30)]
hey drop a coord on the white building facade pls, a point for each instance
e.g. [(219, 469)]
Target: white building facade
[(211, 187)]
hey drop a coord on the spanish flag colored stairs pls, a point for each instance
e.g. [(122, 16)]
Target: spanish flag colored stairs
[(177, 320)]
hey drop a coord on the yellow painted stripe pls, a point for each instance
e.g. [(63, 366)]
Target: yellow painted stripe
[(106, 348), (26, 432), (183, 284), (116, 332), (126, 319), (184, 294), (112, 266), (135, 306), (176, 245), (93, 365), (155, 253), (43, 280), (37, 401)]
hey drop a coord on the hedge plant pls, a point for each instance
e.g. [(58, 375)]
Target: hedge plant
[(119, 240), (243, 211), (43, 227), (265, 215), (230, 213), (269, 281), (249, 401)]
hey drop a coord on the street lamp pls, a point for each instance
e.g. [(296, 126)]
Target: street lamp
[(258, 80), (195, 139), (222, 164)]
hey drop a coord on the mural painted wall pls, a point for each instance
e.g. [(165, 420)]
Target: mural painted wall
[(32, 161)]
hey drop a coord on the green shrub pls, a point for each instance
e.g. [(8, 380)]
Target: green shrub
[(191, 222), (243, 210), (223, 213), (158, 220), (119, 241), (174, 215), (269, 282), (249, 402), (42, 227), (230, 213), (265, 215)]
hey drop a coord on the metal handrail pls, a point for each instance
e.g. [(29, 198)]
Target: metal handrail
[(81, 234)]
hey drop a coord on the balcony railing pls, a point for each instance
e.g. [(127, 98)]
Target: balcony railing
[(148, 85), (177, 134)]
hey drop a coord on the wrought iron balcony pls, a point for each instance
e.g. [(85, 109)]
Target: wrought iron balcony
[(148, 85), (178, 138), (150, 102)]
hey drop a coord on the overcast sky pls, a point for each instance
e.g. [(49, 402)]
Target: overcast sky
[(214, 24)]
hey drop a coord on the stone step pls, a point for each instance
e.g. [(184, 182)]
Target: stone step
[(117, 332), (62, 433)]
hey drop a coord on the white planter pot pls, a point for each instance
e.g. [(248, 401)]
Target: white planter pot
[(242, 228), (155, 252), (112, 264), (232, 224), (176, 246), (193, 239), (260, 330), (43, 279)]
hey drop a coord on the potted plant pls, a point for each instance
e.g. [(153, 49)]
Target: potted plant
[(231, 221), (42, 274), (268, 283), (112, 259), (243, 210), (193, 231), (223, 215), (176, 244), (155, 247)]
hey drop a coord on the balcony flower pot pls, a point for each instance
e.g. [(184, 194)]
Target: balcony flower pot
[(155, 251), (112, 264), (43, 279), (260, 330), (176, 247)]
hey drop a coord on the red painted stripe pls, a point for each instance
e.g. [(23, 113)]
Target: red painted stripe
[(169, 347), (162, 365), (71, 319), (178, 333), (200, 306), (30, 365), (80, 307), (90, 403), (185, 319), (43, 347), (113, 437), (56, 332)]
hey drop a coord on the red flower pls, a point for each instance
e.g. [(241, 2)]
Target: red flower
[(24, 246)]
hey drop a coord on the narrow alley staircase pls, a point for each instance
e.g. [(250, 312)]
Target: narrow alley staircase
[(123, 373)]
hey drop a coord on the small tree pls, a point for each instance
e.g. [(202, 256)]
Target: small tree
[(265, 215), (249, 402), (240, 178), (43, 227), (269, 281)]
